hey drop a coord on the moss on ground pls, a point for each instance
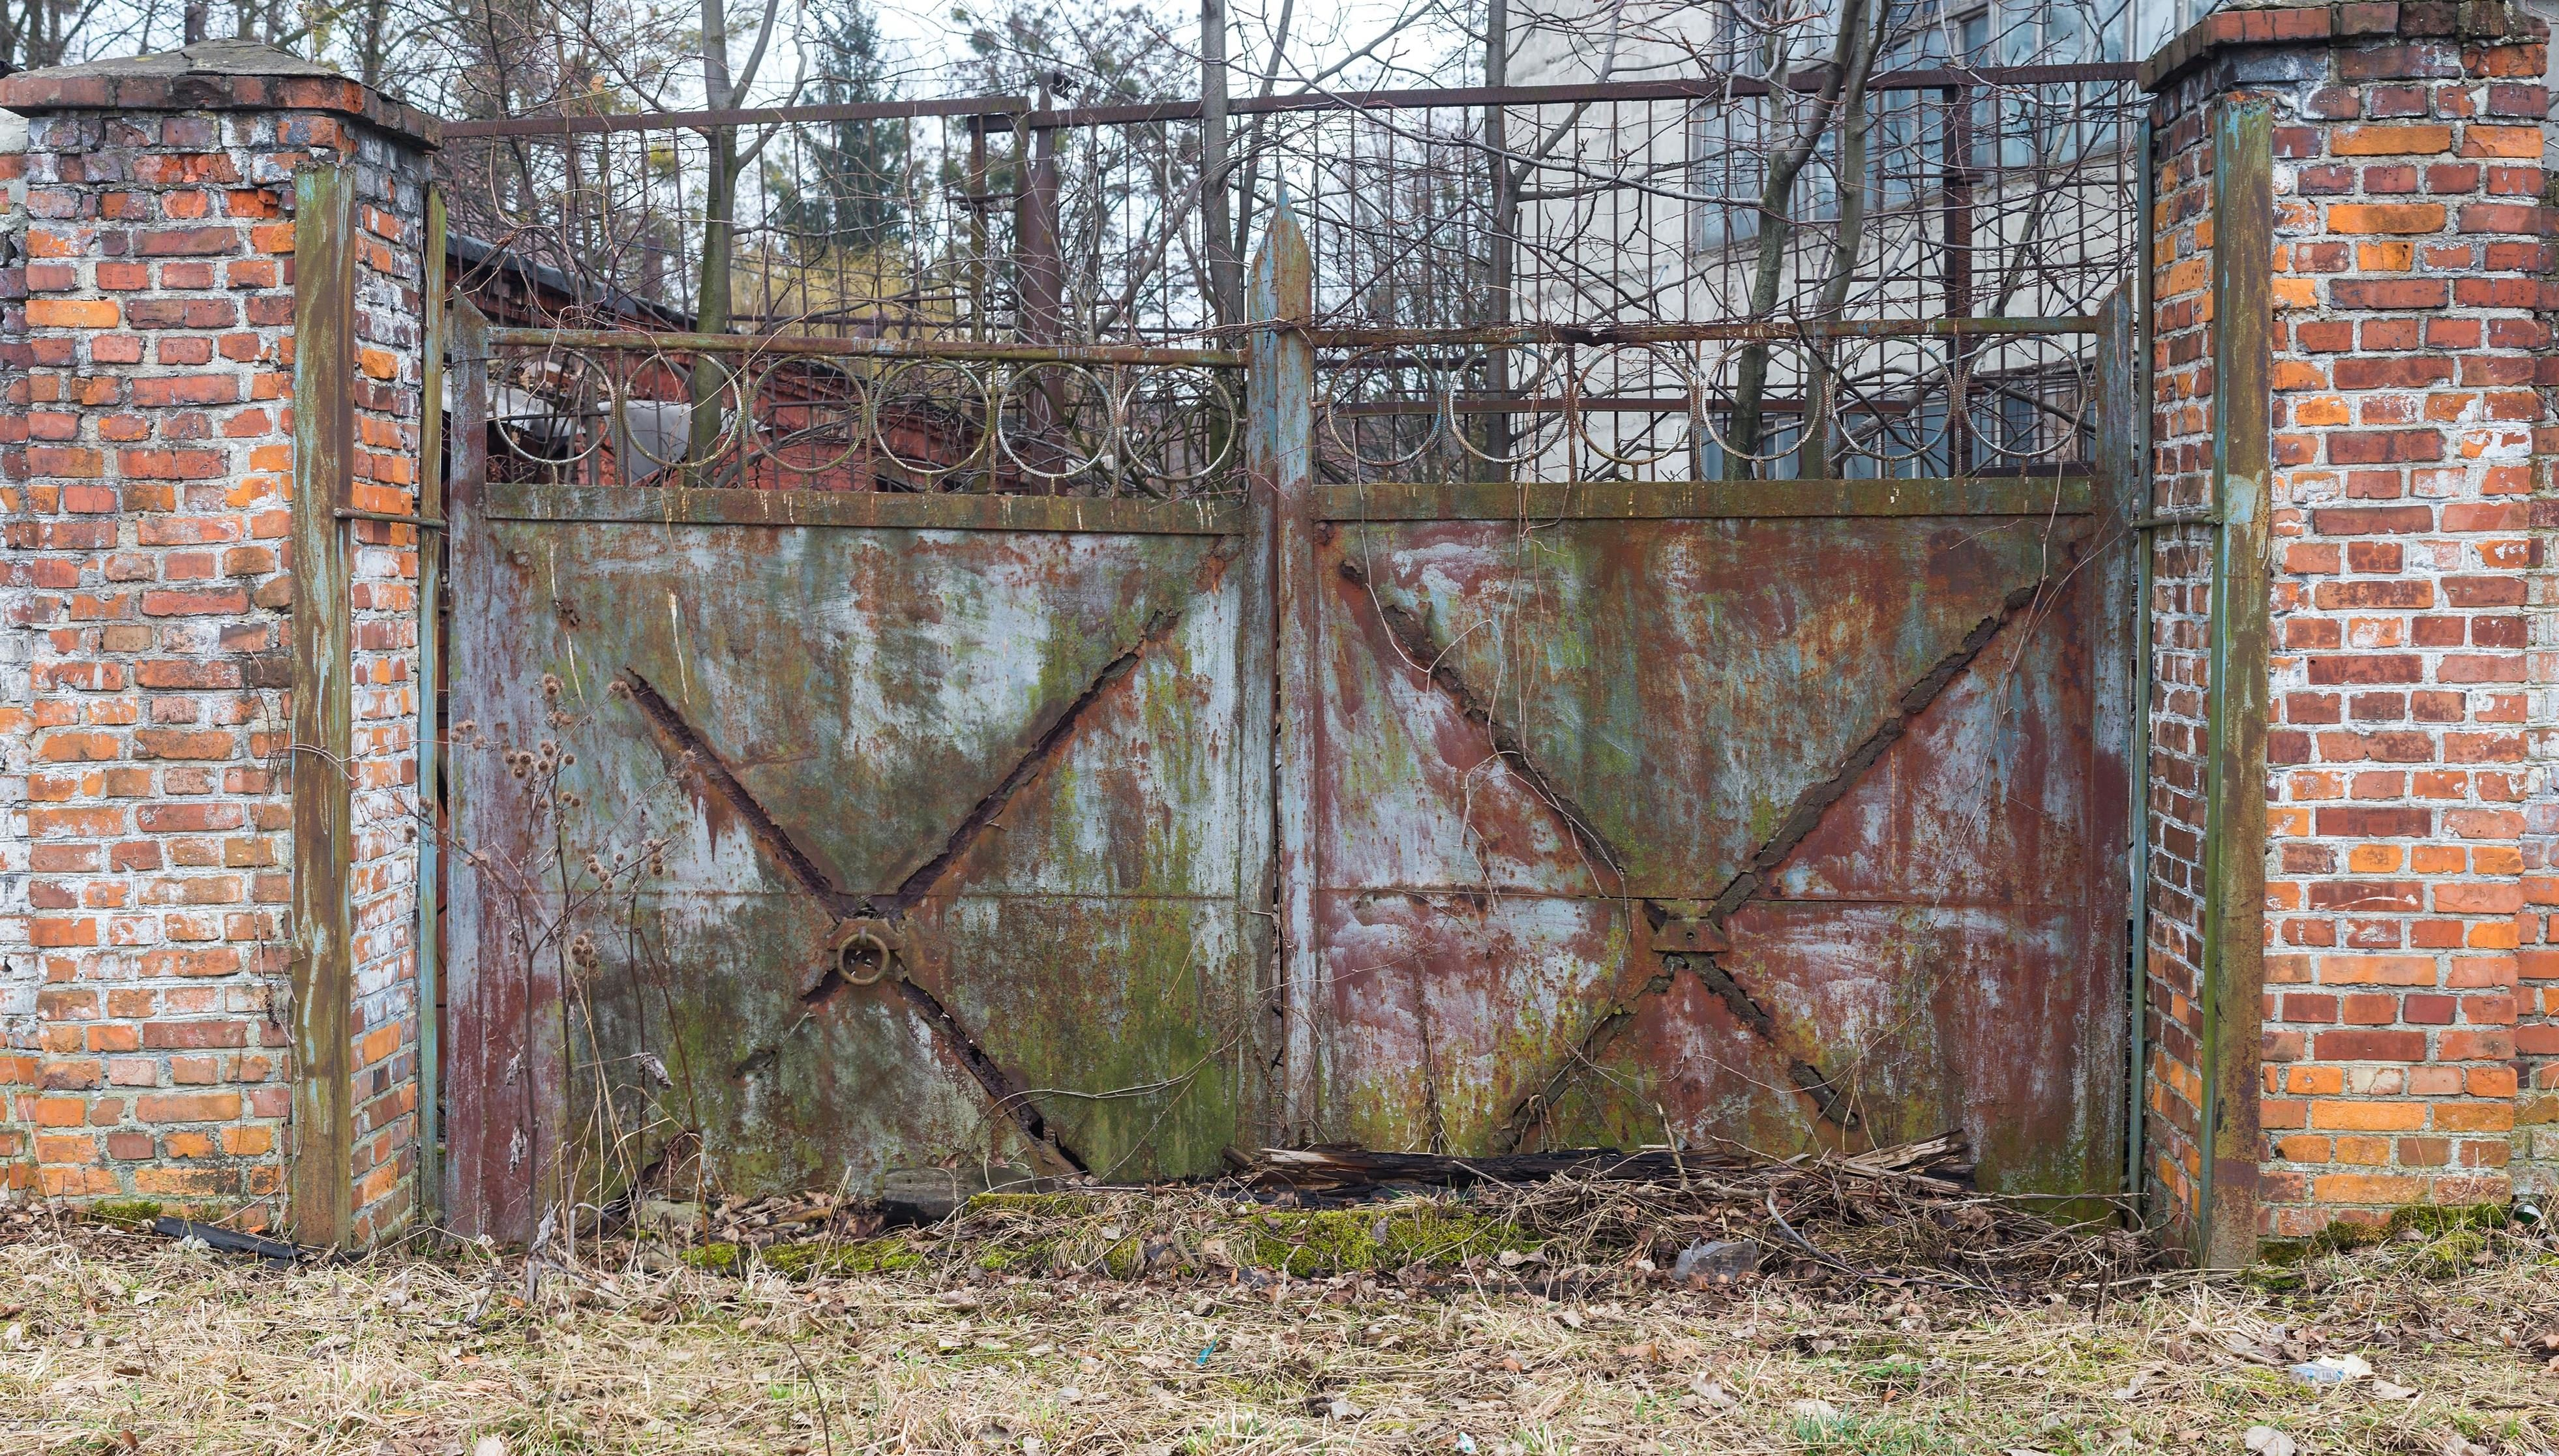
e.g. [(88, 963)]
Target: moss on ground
[(868, 1256), (125, 1213), (1390, 1236)]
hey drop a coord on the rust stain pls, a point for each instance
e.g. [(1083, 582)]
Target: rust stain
[(1833, 1104), (702, 767), (973, 824), (1411, 633)]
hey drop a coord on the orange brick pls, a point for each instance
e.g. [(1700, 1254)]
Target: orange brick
[(2501, 141), (2369, 1116), (73, 313), (2387, 218), (2396, 141)]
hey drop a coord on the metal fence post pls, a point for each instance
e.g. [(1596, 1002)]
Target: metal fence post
[(430, 829), (1279, 458), (323, 976), (2235, 818)]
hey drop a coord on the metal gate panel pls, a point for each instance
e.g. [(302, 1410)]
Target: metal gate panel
[(1942, 950), (1013, 751), (1580, 774)]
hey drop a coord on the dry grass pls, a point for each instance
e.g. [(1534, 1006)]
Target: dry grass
[(116, 1341)]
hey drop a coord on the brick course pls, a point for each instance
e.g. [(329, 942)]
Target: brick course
[(146, 466)]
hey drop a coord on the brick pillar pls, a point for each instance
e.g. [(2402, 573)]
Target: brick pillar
[(146, 464), (2401, 347)]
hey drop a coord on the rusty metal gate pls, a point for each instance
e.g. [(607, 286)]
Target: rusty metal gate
[(808, 835)]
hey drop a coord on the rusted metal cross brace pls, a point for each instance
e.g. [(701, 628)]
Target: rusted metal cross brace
[(1693, 945), (879, 922)]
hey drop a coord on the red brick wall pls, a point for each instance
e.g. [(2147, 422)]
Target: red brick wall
[(2180, 608), (146, 469), (2407, 260)]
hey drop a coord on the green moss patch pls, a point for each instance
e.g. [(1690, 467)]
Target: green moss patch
[(125, 1213), (1388, 1236)]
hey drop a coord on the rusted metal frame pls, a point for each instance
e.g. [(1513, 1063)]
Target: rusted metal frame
[(863, 509), (983, 110), (2235, 817), (2048, 495), (321, 1183), (2139, 467), (430, 588), (562, 127), (1744, 331), (1278, 462), (648, 342), (390, 518)]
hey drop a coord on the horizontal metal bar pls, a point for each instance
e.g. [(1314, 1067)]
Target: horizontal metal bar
[(860, 510), (563, 126), (1736, 331), (422, 522), (1711, 87), (2071, 495), (1012, 111), (2148, 523), (642, 341)]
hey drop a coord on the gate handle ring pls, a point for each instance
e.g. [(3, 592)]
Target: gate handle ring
[(856, 939)]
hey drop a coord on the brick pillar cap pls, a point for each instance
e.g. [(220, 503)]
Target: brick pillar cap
[(2319, 25), (214, 75)]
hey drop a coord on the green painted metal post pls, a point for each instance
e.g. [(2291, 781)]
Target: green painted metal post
[(430, 585), (323, 975), (2235, 820), (2145, 548), (1279, 458)]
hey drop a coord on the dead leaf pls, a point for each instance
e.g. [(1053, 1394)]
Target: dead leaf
[(2264, 1440), (1814, 1410), (1711, 1392), (2384, 1390), (489, 1445)]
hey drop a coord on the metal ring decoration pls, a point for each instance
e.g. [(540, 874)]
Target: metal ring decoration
[(1652, 354), (1103, 458), (2079, 391), (1145, 465), (732, 421), (770, 445), (1336, 410), (563, 402), (974, 404), (1540, 434), (1873, 443), (1707, 416)]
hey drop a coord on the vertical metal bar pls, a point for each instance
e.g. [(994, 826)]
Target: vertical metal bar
[(2144, 544), (324, 971), (430, 587), (1956, 278), (978, 227), (2119, 708), (1279, 455), (482, 1193), (1217, 222), (1502, 239), (2234, 834), (1035, 241)]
